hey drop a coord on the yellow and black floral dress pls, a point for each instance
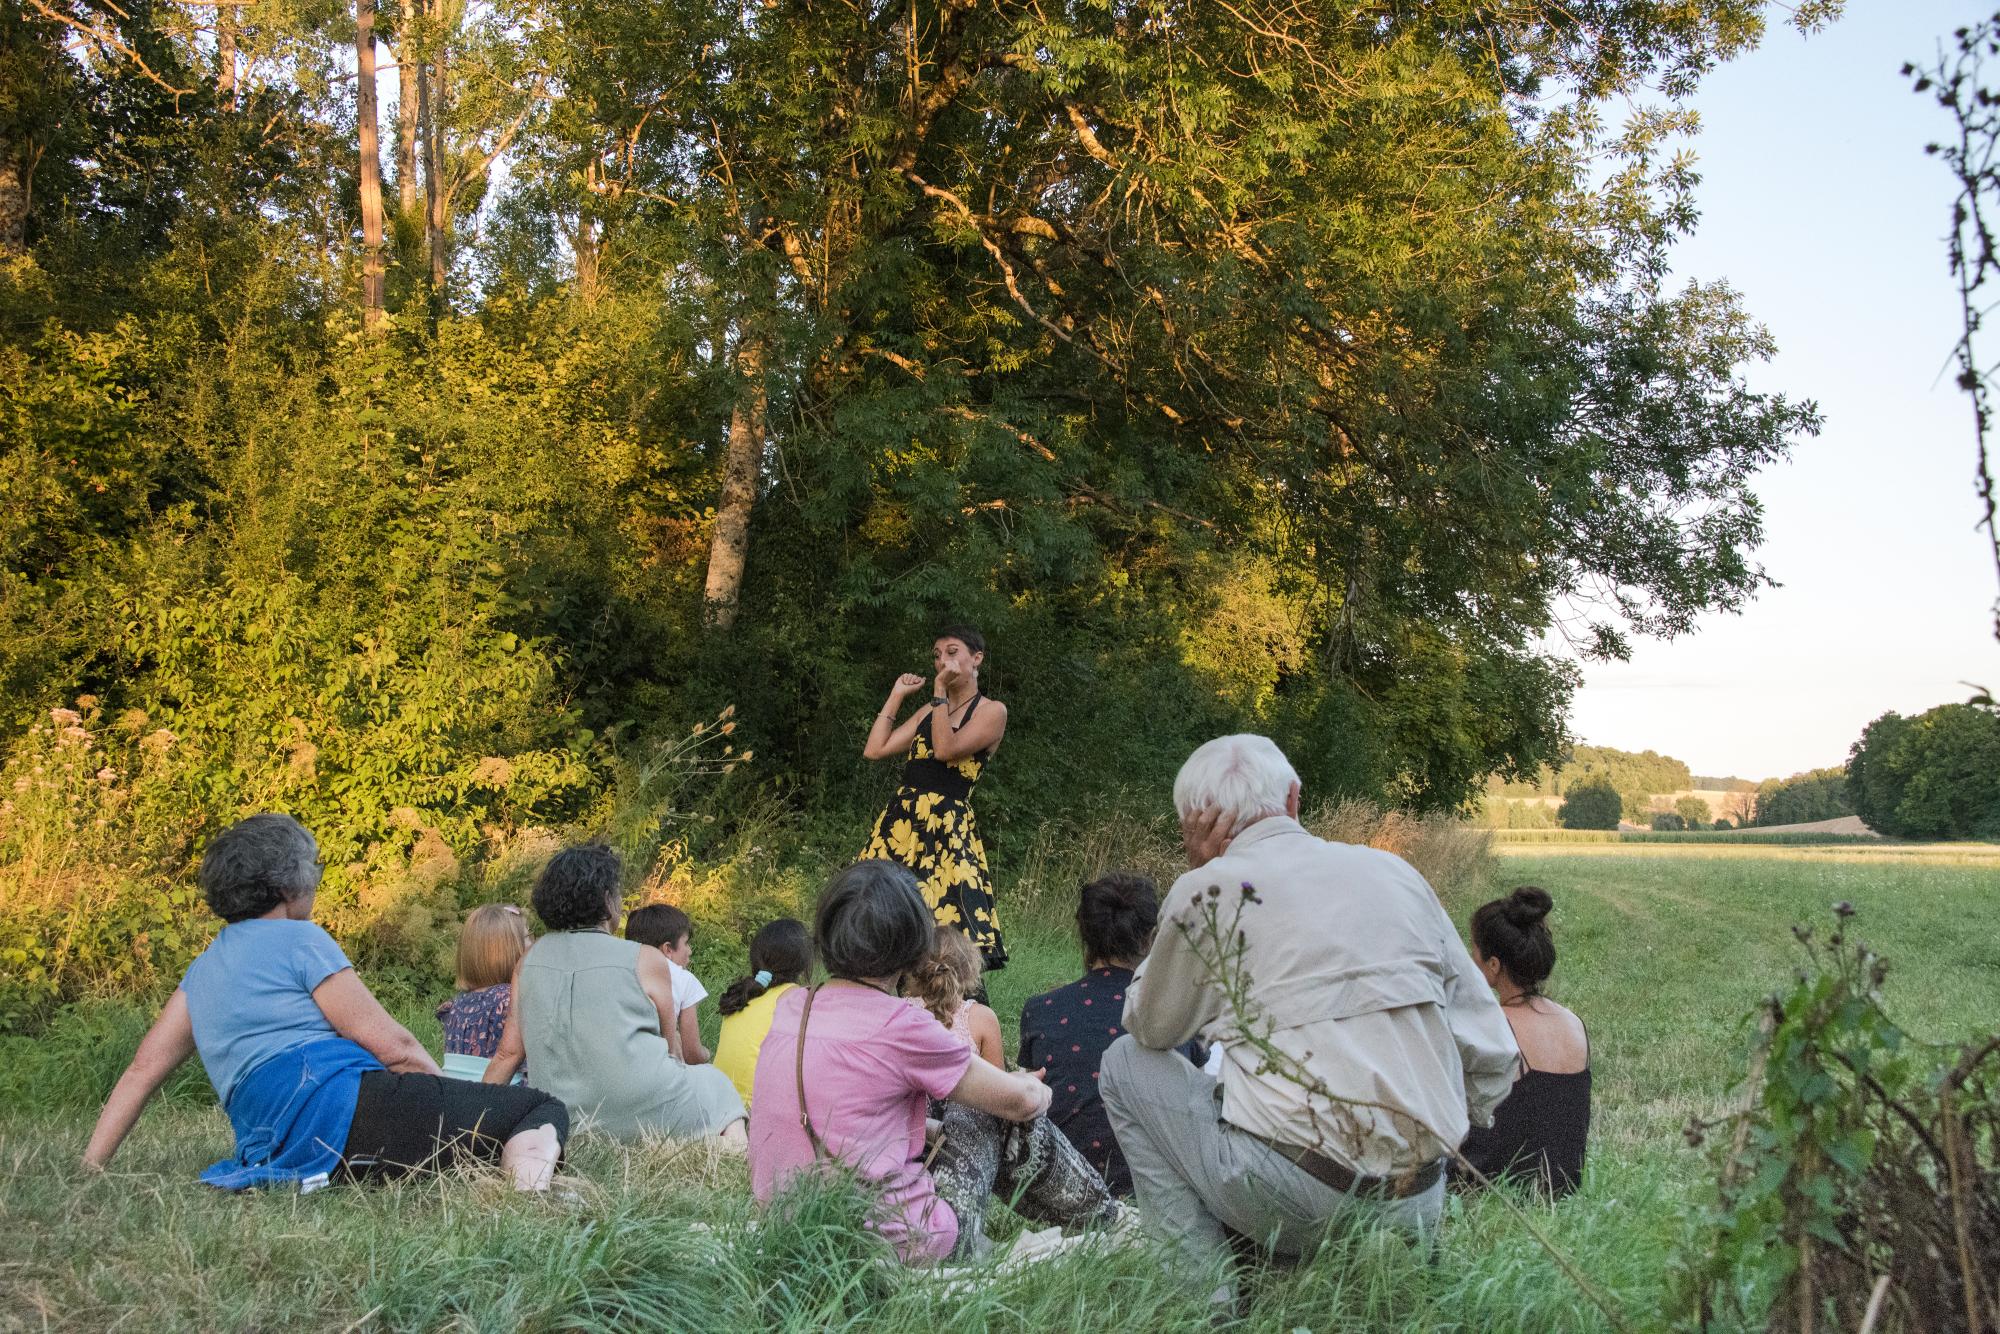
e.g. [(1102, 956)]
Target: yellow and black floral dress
[(928, 826)]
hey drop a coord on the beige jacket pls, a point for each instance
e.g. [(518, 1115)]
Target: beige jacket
[(1347, 964)]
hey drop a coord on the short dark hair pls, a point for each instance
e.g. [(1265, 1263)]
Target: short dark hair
[(1511, 932), (1116, 915), (571, 891), (257, 864), (965, 635), (872, 921), (658, 924)]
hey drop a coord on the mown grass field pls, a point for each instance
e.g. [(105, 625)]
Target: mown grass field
[(1663, 951)]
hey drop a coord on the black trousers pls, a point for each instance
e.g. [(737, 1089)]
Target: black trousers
[(403, 1123)]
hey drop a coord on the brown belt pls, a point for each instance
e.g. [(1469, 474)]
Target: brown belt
[(1349, 1182)]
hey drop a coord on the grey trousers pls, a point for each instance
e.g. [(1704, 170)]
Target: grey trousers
[(1194, 1174)]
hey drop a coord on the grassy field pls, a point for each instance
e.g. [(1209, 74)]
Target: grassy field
[(1663, 950)]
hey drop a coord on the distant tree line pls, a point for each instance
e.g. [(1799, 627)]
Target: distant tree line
[(1817, 794), (1635, 776)]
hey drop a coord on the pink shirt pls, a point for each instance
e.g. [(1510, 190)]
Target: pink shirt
[(872, 1064)]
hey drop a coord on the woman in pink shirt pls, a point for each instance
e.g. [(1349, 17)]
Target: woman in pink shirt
[(870, 1062)]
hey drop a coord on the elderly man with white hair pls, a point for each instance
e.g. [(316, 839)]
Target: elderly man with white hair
[(1347, 970)]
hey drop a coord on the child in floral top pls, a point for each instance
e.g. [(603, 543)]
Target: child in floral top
[(493, 941)]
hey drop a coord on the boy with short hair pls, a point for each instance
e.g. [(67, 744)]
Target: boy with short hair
[(671, 931)]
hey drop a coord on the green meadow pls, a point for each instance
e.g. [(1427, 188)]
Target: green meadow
[(1662, 952)]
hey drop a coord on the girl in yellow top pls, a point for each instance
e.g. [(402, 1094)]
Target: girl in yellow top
[(780, 958)]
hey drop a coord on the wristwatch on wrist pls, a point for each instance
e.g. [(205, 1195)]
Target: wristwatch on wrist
[(938, 701)]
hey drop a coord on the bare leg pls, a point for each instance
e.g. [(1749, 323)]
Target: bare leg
[(531, 1156)]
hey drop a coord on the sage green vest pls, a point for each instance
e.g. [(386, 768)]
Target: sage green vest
[(593, 1039)]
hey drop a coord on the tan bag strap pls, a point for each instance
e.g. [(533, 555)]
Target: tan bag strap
[(805, 1120)]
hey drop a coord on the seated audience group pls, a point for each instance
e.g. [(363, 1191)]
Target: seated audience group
[(1294, 1035)]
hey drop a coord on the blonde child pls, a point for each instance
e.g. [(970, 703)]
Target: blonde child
[(493, 940), (944, 984), (780, 959)]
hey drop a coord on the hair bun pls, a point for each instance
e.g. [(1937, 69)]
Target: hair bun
[(1528, 905)]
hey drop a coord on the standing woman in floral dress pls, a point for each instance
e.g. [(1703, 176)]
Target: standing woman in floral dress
[(928, 825)]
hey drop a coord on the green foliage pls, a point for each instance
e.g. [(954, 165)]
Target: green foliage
[(1840, 1170), (1936, 775), (1591, 804), (1694, 811), (1818, 794), (1230, 375), (1668, 822)]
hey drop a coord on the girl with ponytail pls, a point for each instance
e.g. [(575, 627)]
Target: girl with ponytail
[(781, 957), (1538, 1133)]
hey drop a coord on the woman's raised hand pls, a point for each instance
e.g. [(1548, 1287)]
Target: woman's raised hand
[(906, 684)]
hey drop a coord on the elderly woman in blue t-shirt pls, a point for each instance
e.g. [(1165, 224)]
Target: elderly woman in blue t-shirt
[(318, 1080)]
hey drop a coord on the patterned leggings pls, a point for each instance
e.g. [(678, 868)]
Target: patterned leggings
[(1032, 1165)]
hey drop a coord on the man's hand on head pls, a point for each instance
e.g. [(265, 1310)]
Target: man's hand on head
[(1205, 835)]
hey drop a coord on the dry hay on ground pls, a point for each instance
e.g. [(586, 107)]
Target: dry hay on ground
[(1840, 824)]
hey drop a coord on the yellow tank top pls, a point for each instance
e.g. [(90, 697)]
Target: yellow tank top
[(742, 1038)]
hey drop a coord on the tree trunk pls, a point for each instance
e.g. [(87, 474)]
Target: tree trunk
[(13, 201), (372, 268), (406, 129), (225, 56), (430, 101), (729, 548), (584, 245)]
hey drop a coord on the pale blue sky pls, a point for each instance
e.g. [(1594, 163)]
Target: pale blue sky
[(1821, 208)]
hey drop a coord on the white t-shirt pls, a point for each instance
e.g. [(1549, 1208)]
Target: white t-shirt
[(688, 990)]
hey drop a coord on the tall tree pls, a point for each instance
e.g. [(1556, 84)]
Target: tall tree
[(743, 460), (225, 55), (431, 90), (407, 74), (367, 121), (35, 99)]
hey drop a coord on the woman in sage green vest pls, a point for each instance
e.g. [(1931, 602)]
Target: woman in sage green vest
[(594, 1016)]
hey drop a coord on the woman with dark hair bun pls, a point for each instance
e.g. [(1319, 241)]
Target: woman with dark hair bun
[(928, 825), (1538, 1132)]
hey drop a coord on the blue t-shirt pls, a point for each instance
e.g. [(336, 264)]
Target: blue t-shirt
[(249, 995)]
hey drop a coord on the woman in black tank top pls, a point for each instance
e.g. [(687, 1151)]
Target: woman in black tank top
[(1538, 1133)]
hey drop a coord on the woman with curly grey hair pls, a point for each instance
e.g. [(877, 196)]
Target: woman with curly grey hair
[(319, 1081)]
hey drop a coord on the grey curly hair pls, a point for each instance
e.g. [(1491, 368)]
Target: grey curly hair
[(257, 864)]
